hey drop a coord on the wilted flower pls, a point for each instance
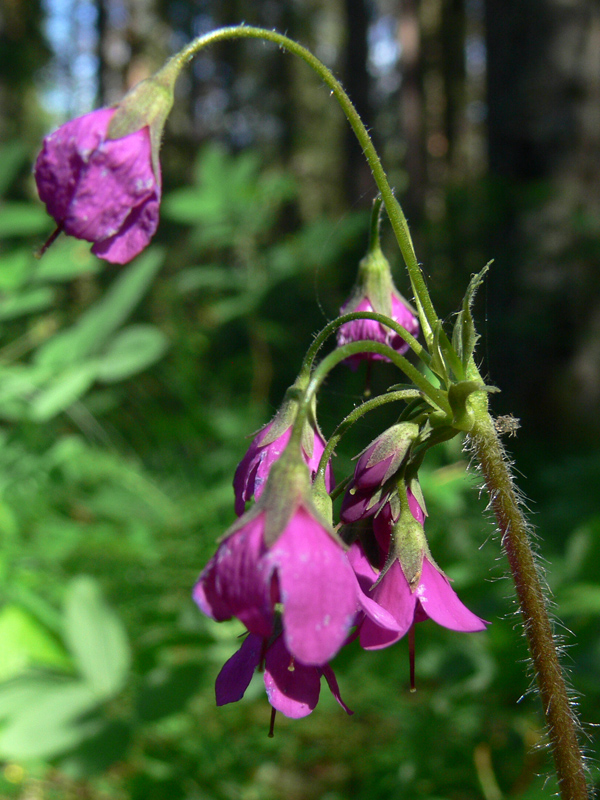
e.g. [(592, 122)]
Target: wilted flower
[(100, 189), (292, 688)]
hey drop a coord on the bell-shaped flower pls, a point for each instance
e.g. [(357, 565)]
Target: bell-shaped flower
[(282, 553), (292, 688), (270, 442), (410, 586), (375, 291), (99, 174)]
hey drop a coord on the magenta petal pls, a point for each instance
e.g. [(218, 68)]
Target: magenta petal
[(359, 505), (117, 179), (135, 234), (64, 155), (237, 672), (253, 470), (441, 604), (292, 688), (236, 582), (333, 686), (366, 577), (393, 594), (318, 589)]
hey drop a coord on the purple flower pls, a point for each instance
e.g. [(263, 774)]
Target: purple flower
[(305, 570), (433, 598), (292, 688), (266, 448), (99, 189), (359, 330)]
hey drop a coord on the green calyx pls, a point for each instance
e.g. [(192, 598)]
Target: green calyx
[(409, 545), (147, 104), (374, 279)]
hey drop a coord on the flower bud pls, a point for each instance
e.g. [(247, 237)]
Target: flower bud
[(375, 291)]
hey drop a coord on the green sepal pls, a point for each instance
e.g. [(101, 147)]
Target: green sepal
[(464, 335), (397, 440), (147, 104), (438, 362)]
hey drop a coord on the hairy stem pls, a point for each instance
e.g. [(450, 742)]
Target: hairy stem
[(560, 718)]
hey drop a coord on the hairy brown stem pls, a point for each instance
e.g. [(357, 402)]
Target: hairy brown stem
[(560, 718)]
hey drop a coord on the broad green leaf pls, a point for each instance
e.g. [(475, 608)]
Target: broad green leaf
[(90, 333), (96, 638), (132, 350), (26, 302), (24, 642), (47, 721), (23, 219), (62, 391)]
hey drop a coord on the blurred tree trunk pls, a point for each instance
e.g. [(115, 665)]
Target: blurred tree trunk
[(359, 182), (22, 52), (319, 128), (412, 107), (134, 43), (544, 142)]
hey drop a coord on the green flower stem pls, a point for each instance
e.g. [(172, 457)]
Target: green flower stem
[(435, 396), (354, 416), (560, 718), (332, 326), (394, 211)]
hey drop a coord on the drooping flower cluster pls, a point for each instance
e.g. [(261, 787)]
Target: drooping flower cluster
[(297, 587)]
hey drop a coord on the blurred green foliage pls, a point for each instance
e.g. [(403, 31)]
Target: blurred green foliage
[(124, 399)]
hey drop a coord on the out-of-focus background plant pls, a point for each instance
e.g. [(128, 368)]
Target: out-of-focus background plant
[(126, 393)]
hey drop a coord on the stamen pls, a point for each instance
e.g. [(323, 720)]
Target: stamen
[(51, 239), (411, 656), (291, 666), (272, 725)]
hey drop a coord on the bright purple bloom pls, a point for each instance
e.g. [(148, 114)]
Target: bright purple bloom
[(99, 189), (433, 598), (359, 330), (306, 570), (266, 448), (292, 688)]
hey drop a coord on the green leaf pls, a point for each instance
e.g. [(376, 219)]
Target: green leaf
[(96, 638), (46, 720), (24, 642), (23, 219), (93, 329), (64, 390), (27, 302), (133, 349)]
